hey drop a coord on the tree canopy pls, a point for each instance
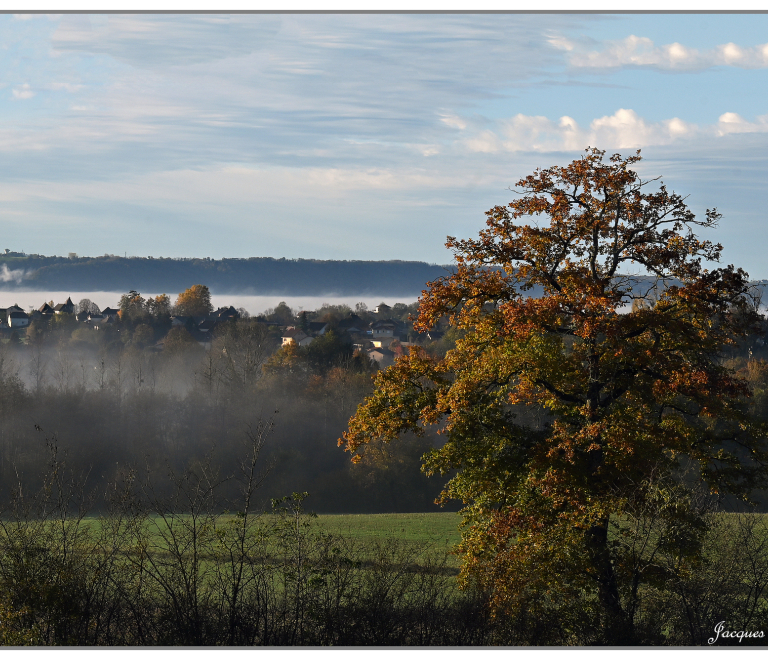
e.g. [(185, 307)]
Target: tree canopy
[(569, 415), (88, 306), (132, 306), (195, 301)]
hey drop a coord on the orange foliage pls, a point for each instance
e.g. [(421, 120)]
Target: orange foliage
[(195, 301), (560, 411)]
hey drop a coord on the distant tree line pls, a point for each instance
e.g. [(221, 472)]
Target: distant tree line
[(262, 275)]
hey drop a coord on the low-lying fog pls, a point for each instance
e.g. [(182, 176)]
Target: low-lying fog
[(116, 402)]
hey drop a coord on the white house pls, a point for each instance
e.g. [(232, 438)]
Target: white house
[(18, 319)]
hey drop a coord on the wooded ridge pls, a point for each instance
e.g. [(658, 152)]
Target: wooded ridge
[(260, 275)]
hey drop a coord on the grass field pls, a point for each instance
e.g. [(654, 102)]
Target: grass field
[(382, 579), (440, 529)]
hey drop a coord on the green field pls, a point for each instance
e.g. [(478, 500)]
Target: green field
[(288, 578), (439, 529)]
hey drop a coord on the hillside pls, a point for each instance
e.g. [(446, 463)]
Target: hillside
[(258, 275), (255, 275)]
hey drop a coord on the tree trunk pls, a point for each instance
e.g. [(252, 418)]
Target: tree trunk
[(617, 626)]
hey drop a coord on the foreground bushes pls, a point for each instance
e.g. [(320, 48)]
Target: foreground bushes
[(144, 574), (192, 570), (220, 580)]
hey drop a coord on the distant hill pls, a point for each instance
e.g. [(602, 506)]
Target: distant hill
[(256, 275)]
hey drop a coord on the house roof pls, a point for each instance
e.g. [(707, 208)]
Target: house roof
[(383, 324), (69, 305), (294, 333), (352, 321), (230, 312)]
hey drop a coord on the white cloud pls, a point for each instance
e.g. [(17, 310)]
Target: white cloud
[(642, 52), (484, 142), (23, 92), (624, 129), (730, 122)]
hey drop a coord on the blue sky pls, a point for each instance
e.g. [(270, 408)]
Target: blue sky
[(361, 136)]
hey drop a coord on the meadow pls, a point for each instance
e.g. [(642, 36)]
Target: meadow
[(188, 564), (287, 577), (439, 530)]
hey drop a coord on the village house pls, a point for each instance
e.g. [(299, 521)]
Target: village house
[(382, 329), (226, 314), (317, 328), (296, 336), (352, 324), (65, 308), (17, 319), (383, 356)]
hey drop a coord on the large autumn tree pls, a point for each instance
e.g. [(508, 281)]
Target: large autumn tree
[(599, 401)]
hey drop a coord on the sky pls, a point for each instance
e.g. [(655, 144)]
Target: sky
[(361, 136)]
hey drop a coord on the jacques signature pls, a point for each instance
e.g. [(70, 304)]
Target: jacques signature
[(722, 631)]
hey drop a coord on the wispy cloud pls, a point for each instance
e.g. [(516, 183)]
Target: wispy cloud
[(157, 41), (634, 51), (174, 126), (23, 92), (188, 90), (65, 86)]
